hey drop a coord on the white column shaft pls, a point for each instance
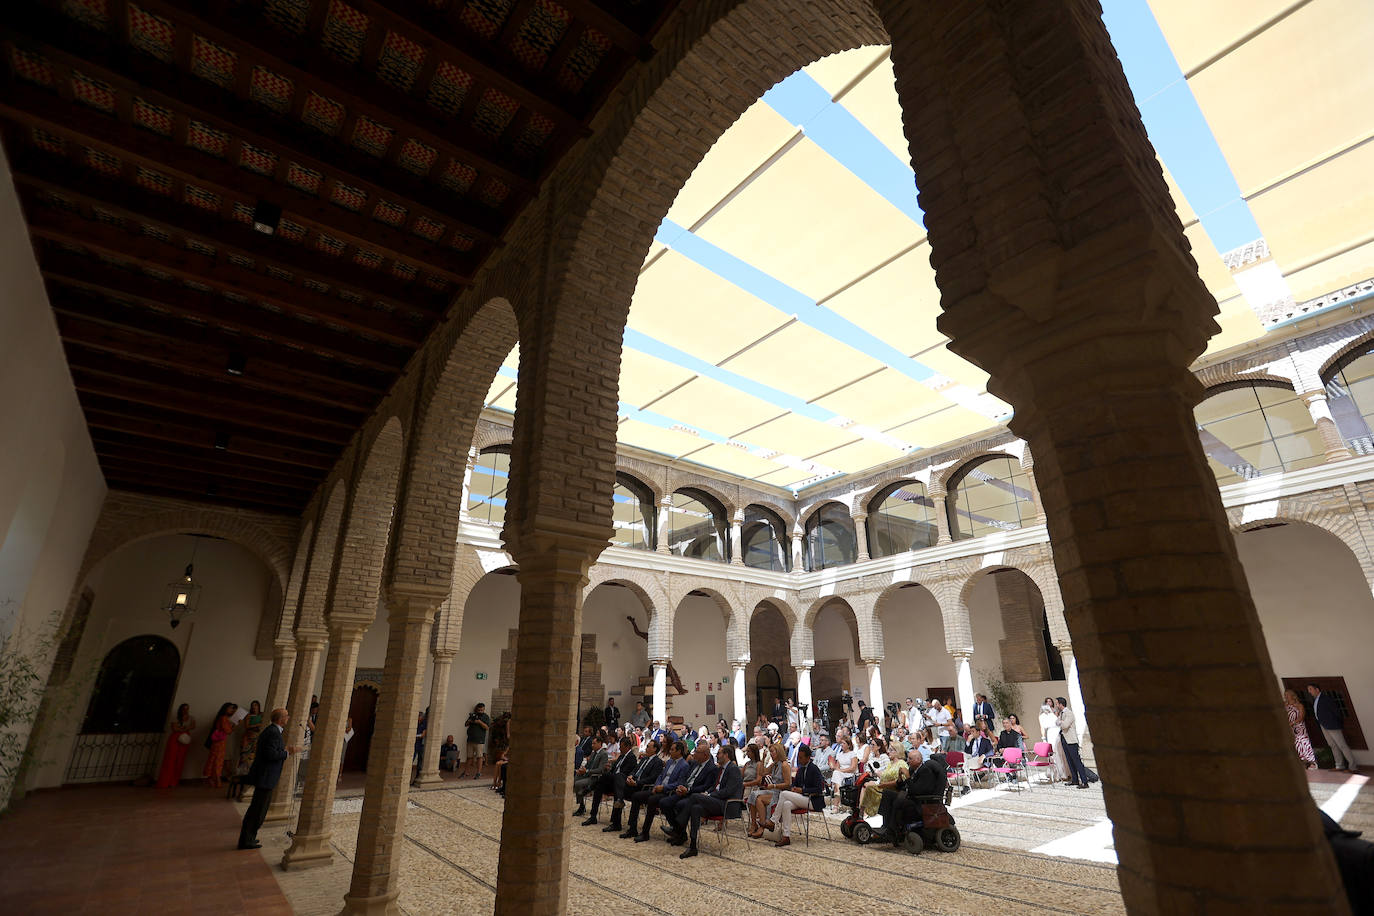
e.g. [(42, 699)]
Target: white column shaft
[(963, 679), (660, 712), (875, 689), (741, 713)]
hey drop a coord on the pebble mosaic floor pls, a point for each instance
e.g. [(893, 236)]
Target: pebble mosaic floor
[(1044, 850)]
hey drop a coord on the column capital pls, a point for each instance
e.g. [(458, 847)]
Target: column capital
[(660, 662), (1316, 394), (873, 662), (936, 490), (962, 654), (346, 626), (740, 666), (1065, 650), (800, 668), (311, 639), (445, 656), (859, 516), (559, 544), (284, 644)]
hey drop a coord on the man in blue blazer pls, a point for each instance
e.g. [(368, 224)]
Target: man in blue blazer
[(263, 775), (669, 778), (729, 785), (1331, 721), (700, 778)]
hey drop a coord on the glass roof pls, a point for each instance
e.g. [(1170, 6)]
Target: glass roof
[(783, 328)]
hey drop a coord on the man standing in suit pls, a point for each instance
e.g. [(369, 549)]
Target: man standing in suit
[(983, 708), (263, 775), (612, 714), (1331, 721), (589, 774), (1068, 737), (700, 778), (711, 803)]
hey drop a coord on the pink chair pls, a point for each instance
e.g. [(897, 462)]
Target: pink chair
[(1011, 765), (1043, 756)]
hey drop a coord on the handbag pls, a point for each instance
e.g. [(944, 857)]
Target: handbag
[(183, 738), (218, 735)]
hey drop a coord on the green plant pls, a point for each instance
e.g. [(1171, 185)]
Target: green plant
[(595, 718), (1005, 695)]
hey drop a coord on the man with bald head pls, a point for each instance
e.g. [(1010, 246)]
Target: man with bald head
[(263, 775)]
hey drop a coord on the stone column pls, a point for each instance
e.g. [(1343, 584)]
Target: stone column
[(473, 455), (861, 537), (804, 690), (737, 540), (798, 561), (660, 709), (938, 499), (741, 710), (279, 684), (1332, 440), (535, 844), (438, 698), (310, 846), (963, 681), (309, 648), (665, 513), (875, 687), (376, 867)]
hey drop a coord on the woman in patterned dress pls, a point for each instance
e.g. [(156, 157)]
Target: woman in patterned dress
[(219, 733), (1296, 718)]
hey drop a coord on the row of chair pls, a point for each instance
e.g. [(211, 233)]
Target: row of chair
[(1015, 766)]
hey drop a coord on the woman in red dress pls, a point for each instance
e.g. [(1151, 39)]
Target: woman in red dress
[(219, 733), (178, 743)]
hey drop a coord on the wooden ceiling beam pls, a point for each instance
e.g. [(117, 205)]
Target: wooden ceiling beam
[(319, 376), (134, 448), (109, 415), (99, 374), (59, 226), (154, 468), (46, 173), (211, 363), (52, 35), (33, 107), (621, 35), (85, 273), (226, 493)]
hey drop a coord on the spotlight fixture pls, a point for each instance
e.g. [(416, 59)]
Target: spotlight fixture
[(237, 363), (222, 441), (266, 217)]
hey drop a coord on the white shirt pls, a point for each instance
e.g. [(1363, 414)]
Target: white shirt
[(941, 717), (913, 718)]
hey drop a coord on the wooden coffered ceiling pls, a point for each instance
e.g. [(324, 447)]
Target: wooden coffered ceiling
[(399, 140)]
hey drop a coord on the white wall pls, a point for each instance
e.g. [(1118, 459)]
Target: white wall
[(985, 620), (623, 656), (1316, 610), (699, 657), (216, 643), (492, 610), (51, 487), (914, 656)]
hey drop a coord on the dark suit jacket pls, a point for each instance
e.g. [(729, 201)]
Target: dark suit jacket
[(1328, 714), (626, 764), (808, 781), (983, 709), (652, 768), (270, 755), (705, 779), (731, 785)]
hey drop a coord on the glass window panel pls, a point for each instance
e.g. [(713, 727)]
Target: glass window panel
[(487, 487), (1274, 433), (763, 541), (829, 537), (1351, 395), (994, 495), (695, 528), (900, 519), (632, 515)]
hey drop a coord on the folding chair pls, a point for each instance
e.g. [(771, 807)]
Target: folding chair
[(1011, 765), (805, 813), (722, 822), (1043, 756)]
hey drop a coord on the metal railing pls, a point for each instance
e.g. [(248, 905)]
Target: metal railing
[(114, 757)]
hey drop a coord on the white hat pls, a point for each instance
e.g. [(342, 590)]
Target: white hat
[(772, 726)]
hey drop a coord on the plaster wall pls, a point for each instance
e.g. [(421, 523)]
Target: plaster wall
[(914, 656), (699, 656), (216, 643), (985, 619), (623, 656)]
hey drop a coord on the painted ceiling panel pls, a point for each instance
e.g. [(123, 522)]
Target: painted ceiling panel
[(707, 404), (858, 456), (804, 361), (1199, 31), (1294, 94), (1318, 212), (676, 287), (945, 426), (797, 435), (825, 225), (1333, 273), (783, 477), (884, 399), (644, 378), (733, 460)]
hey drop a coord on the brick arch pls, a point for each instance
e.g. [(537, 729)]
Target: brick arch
[(269, 547), (720, 594), (651, 596), (453, 394), (1233, 374), (863, 499), (728, 503), (625, 466), (861, 612), (1041, 575), (786, 513), (954, 470), (1257, 381), (362, 554), (1295, 511), (883, 600), (470, 566), (1349, 351), (805, 512), (310, 616), (291, 599), (490, 438)]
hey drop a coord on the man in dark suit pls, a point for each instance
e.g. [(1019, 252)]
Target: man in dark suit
[(711, 803), (1331, 721), (613, 783), (701, 777), (263, 775), (670, 776), (984, 709), (807, 793)]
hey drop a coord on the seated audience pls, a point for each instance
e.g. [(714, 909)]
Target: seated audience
[(777, 774), (669, 778), (806, 792), (700, 777), (613, 782), (710, 803), (593, 767)]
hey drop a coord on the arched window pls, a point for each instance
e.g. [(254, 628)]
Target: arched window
[(633, 514), (696, 526), (1253, 429), (487, 489), (1350, 394), (133, 692), (990, 495), (829, 537), (763, 540), (901, 518)]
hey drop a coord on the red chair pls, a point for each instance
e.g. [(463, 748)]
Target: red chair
[(722, 823), (1043, 756), (954, 769)]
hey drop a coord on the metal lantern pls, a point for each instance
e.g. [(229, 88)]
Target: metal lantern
[(183, 595)]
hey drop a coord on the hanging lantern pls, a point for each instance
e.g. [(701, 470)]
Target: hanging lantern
[(183, 595)]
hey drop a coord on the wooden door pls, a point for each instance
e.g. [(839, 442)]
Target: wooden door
[(363, 711)]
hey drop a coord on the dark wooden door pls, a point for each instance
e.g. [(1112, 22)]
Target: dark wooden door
[(363, 711), (1335, 687)]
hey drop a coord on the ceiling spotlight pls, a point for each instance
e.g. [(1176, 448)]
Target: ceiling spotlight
[(266, 217), (237, 362), (222, 441)]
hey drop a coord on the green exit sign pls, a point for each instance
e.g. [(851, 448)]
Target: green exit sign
[(481, 675)]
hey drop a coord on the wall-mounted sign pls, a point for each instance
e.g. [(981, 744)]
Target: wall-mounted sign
[(481, 675)]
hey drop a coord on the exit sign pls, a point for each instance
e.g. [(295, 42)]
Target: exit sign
[(481, 675)]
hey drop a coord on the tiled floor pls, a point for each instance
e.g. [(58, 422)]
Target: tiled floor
[(114, 850), (126, 850)]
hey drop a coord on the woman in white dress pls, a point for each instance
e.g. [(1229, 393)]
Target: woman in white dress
[(1049, 727), (845, 767)]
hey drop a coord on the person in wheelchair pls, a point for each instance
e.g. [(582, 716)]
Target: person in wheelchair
[(901, 804)]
